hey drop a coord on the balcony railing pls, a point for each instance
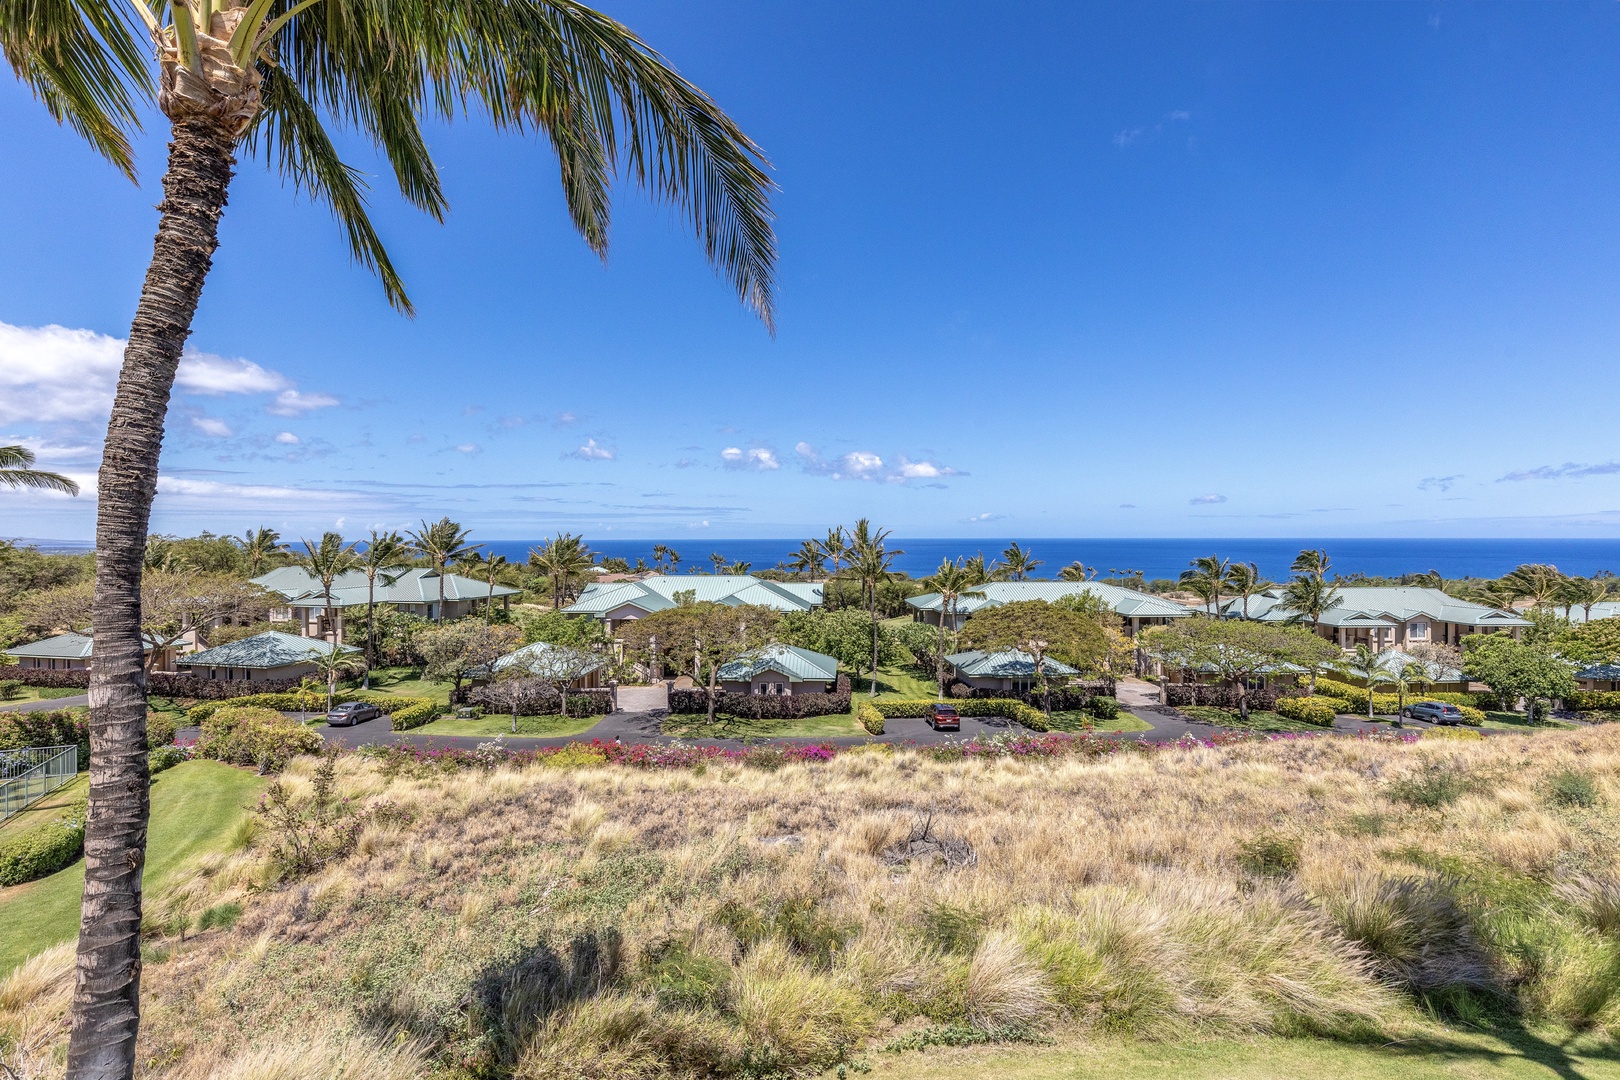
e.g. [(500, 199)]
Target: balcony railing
[(26, 776)]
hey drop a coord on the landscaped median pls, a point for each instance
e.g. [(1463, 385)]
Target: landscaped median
[(405, 712), (1353, 700), (872, 714)]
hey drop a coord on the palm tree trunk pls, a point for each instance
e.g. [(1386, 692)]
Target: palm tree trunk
[(440, 612), (874, 642), (939, 663), (371, 628), (106, 997)]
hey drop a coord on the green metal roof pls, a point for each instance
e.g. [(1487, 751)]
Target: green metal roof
[(1010, 664), (799, 665), (68, 646), (1382, 605), (1126, 602), (413, 586), (529, 653), (271, 649), (658, 592)]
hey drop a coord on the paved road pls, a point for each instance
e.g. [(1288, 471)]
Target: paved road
[(48, 704)]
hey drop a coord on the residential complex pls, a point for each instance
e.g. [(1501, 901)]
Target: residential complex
[(1138, 609), (780, 670), (272, 656), (618, 602), (1387, 616), (415, 591)]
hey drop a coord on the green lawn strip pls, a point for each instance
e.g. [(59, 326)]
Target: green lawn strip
[(1512, 721), (1257, 721), (1076, 721), (697, 726), (408, 682), (46, 810), (1437, 1055), (42, 693), (497, 724), (195, 808), (897, 684)]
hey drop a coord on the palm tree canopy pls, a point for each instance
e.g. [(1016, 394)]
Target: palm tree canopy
[(1312, 561), (1078, 571), (327, 559), (282, 77), (442, 542), (16, 470)]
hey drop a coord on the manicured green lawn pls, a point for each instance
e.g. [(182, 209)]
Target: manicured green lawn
[(696, 726), (1076, 721), (1512, 721), (1258, 720), (1438, 1055), (408, 682), (40, 693), (195, 809), (898, 684), (547, 726)]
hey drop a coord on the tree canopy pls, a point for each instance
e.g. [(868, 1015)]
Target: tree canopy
[(1518, 669), (1238, 650)]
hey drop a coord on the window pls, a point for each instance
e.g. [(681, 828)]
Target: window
[(1417, 628)]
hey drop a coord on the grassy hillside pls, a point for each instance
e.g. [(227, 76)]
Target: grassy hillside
[(1326, 906), (195, 809)]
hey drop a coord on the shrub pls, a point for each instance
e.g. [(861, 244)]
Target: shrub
[(1355, 700), (158, 682), (1308, 710), (760, 706), (244, 735), (1571, 787), (1032, 718), (870, 717), (43, 850), (1103, 708), (166, 757), (1269, 855), (406, 712), (538, 699), (1599, 700), (1434, 787), (160, 729), (1221, 697), (59, 727), (1070, 698), (10, 689)]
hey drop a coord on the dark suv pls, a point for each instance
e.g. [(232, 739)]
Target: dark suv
[(1436, 712), (350, 713), (943, 717)]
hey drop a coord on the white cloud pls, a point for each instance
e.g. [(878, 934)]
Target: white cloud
[(867, 465), (755, 458), (287, 438), (1205, 500), (594, 451), (202, 373), (293, 402), (188, 487), (468, 448), (58, 375), (983, 517), (212, 425)]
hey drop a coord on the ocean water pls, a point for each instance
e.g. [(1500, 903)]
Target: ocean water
[(1161, 558)]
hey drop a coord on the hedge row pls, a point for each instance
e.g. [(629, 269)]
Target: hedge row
[(1221, 697), (1337, 689), (405, 712), (158, 682), (1353, 699), (1309, 710), (760, 706), (538, 699), (1070, 698), (43, 850), (871, 714), (1599, 700), (261, 737), (59, 727)]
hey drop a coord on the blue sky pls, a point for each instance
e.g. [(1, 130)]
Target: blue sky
[(1046, 270)]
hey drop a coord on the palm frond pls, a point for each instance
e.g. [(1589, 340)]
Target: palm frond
[(85, 63)]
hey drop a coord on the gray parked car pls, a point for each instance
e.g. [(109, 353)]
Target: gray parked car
[(1436, 712), (350, 713)]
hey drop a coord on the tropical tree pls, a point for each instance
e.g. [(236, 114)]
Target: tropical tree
[(718, 560), (1206, 577), (1313, 562), (1237, 650), (871, 563), (1042, 630), (1537, 582), (1078, 571), (259, 546), (1518, 669), (17, 465), (810, 559), (269, 77), (836, 547), (841, 633), (385, 556), (1411, 675), (739, 569), (1244, 579), (1373, 668), (558, 666), (326, 561), (951, 581), (452, 650), (1583, 593), (660, 554), (441, 544), (1017, 564), (565, 559), (331, 666), (703, 635), (489, 568)]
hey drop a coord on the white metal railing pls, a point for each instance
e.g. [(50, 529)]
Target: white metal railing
[(26, 776)]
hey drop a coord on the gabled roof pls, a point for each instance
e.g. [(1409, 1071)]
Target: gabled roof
[(416, 585), (658, 592), (1607, 609), (1003, 665), (530, 653), (799, 665), (68, 646), (1600, 672), (1381, 605), (271, 649), (1126, 602)]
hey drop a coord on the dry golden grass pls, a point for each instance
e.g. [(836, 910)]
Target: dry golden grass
[(552, 923)]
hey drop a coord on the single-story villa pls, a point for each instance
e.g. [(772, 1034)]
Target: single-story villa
[(1011, 671), (1138, 609), (1388, 616), (268, 657), (780, 670), (415, 591), (619, 602), (1599, 677), (531, 657), (1603, 609), (71, 652)]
